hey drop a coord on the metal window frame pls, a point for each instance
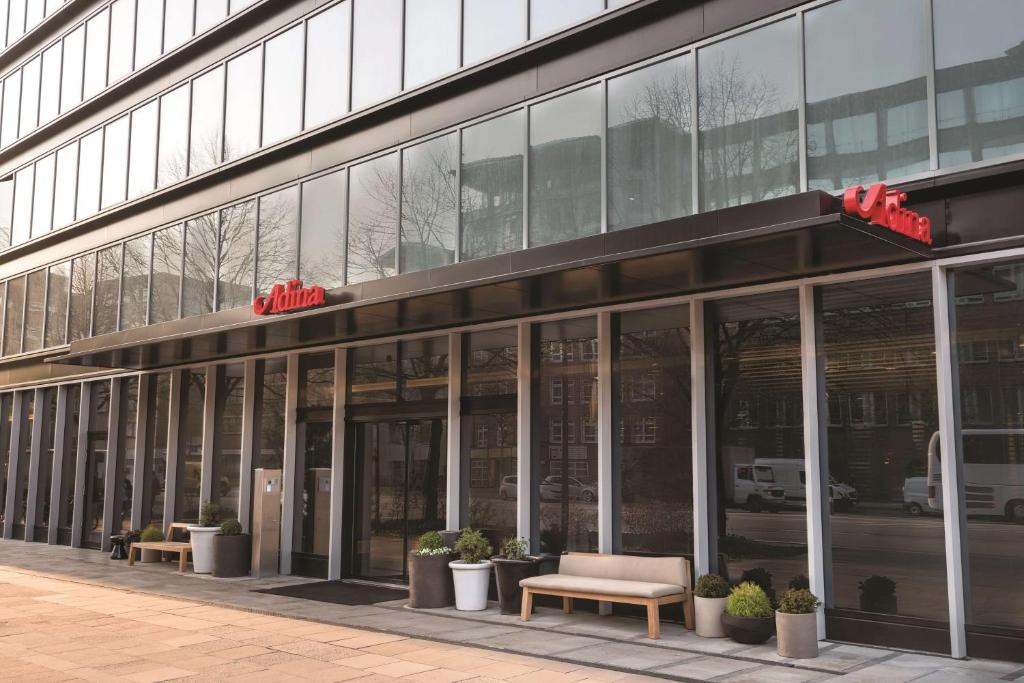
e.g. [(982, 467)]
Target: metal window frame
[(336, 550), (110, 479), (33, 463), (57, 466), (453, 471)]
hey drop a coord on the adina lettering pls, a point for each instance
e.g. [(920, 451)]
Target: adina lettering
[(288, 297)]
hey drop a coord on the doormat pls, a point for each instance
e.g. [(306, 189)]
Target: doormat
[(339, 592)]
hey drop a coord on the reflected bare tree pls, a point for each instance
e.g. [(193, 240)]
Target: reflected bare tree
[(373, 219), (278, 237), (430, 200)]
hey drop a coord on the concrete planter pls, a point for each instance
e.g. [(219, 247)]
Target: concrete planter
[(231, 555), (471, 584), (202, 547), (708, 612), (150, 555), (430, 581), (797, 635)]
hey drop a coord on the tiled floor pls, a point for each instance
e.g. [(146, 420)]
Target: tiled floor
[(67, 614)]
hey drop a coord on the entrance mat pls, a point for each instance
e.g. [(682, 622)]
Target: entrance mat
[(339, 592)]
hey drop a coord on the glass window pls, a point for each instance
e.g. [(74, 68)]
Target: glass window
[(6, 210), (148, 31), (29, 96), (57, 304), (64, 186), (71, 69), (11, 109), (237, 230), (430, 200), (564, 462), (190, 447), (200, 270), (66, 502), (227, 438), (424, 369), (871, 124), (282, 77), (172, 157), (96, 38), (108, 279), (374, 374), (207, 113), (49, 93), (142, 164), (35, 310), (125, 463), (546, 16), (492, 186), (42, 204), (166, 278), (16, 20), (322, 236), (95, 464), (376, 51), (373, 219), (23, 194), (155, 453), (34, 12), (209, 13), (431, 40), (21, 494), (115, 162), (83, 280), (239, 5), (565, 167), (313, 455), (15, 315), (242, 114), (178, 17), (491, 363), (271, 385), (44, 476), (327, 64), (90, 156), (491, 27), (3, 42), (122, 39), (278, 239), (135, 282), (650, 134)]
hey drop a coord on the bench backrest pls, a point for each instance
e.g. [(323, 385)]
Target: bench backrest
[(183, 526), (671, 570)]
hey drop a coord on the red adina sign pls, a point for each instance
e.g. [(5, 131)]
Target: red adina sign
[(881, 206), (290, 297)]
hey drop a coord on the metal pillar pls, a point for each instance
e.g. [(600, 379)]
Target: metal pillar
[(335, 550)]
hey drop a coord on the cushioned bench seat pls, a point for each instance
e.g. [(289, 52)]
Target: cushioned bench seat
[(586, 584)]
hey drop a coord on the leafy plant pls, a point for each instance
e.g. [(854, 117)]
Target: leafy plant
[(515, 548), (711, 586), (151, 534), (800, 582), (209, 515), (763, 578), (132, 536), (877, 586), (472, 547), (231, 527), (748, 600), (431, 543), (798, 601)]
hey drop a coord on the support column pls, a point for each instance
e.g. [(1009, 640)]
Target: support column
[(81, 457), (605, 433), (142, 463), (33, 464), (454, 464), (248, 434), (173, 436), (57, 464), (110, 483), (288, 476), (699, 441), (13, 461), (335, 550), (524, 435), (209, 429)]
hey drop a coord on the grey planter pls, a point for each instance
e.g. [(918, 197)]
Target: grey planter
[(231, 555), (797, 635), (150, 555), (430, 582)]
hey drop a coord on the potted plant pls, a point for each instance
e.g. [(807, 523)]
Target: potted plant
[(796, 624), (510, 567), (151, 534), (748, 615), (201, 536), (232, 551), (471, 573), (430, 579), (878, 594), (710, 596)]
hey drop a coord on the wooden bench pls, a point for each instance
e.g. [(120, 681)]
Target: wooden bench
[(168, 545), (648, 581)]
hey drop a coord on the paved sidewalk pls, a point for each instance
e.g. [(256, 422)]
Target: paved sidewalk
[(458, 645)]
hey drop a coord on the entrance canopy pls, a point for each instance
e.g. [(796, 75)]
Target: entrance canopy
[(779, 239)]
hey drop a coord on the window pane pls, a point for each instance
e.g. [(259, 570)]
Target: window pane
[(122, 43), (242, 116), (227, 439), (650, 134), (322, 238), (565, 441), (278, 237), (142, 165), (492, 186), (155, 452), (374, 374), (546, 16), (125, 462), (373, 219), (115, 162), (313, 457), (172, 159), (200, 265), (90, 153), (135, 282), (431, 40), (749, 132), (6, 209), (490, 463), (207, 111), (57, 303), (327, 64), (177, 22), (271, 381), (16, 20), (190, 447), (42, 204), (35, 311), (565, 167), (209, 13), (44, 475), (166, 279), (872, 124), (108, 279), (29, 97), (71, 69), (148, 29), (11, 109), (430, 199), (237, 230), (491, 363), (424, 369), (23, 192), (64, 187), (96, 35), (83, 279), (66, 501), (239, 5), (491, 27), (49, 94), (95, 464), (377, 51), (15, 315), (282, 111)]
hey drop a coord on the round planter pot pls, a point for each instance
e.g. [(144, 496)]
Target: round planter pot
[(508, 574), (748, 630), (797, 635), (202, 547), (708, 613), (150, 555), (471, 583), (231, 555), (430, 581)]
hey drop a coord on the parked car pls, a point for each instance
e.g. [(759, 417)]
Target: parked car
[(551, 489), (507, 490), (915, 496)]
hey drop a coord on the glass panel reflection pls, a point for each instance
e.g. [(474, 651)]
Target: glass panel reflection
[(430, 198), (492, 186)]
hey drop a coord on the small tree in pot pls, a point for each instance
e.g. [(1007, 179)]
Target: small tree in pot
[(202, 535), (430, 579), (471, 573), (710, 596), (748, 615), (151, 534), (796, 624), (232, 551), (878, 594), (510, 567)]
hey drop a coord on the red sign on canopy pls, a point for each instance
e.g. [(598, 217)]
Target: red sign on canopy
[(881, 206), (290, 297)]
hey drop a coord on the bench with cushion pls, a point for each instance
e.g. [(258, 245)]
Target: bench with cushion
[(169, 545), (648, 581)]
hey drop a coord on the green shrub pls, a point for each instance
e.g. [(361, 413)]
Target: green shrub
[(151, 534), (798, 601), (800, 582), (515, 548), (231, 527), (209, 515), (472, 547), (763, 578), (748, 600), (877, 586), (711, 586), (431, 541), (132, 536)]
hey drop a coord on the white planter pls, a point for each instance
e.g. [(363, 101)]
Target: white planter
[(797, 635), (471, 583), (708, 613), (202, 547), (150, 555)]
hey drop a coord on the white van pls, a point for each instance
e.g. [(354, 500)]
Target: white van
[(754, 487), (790, 474)]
